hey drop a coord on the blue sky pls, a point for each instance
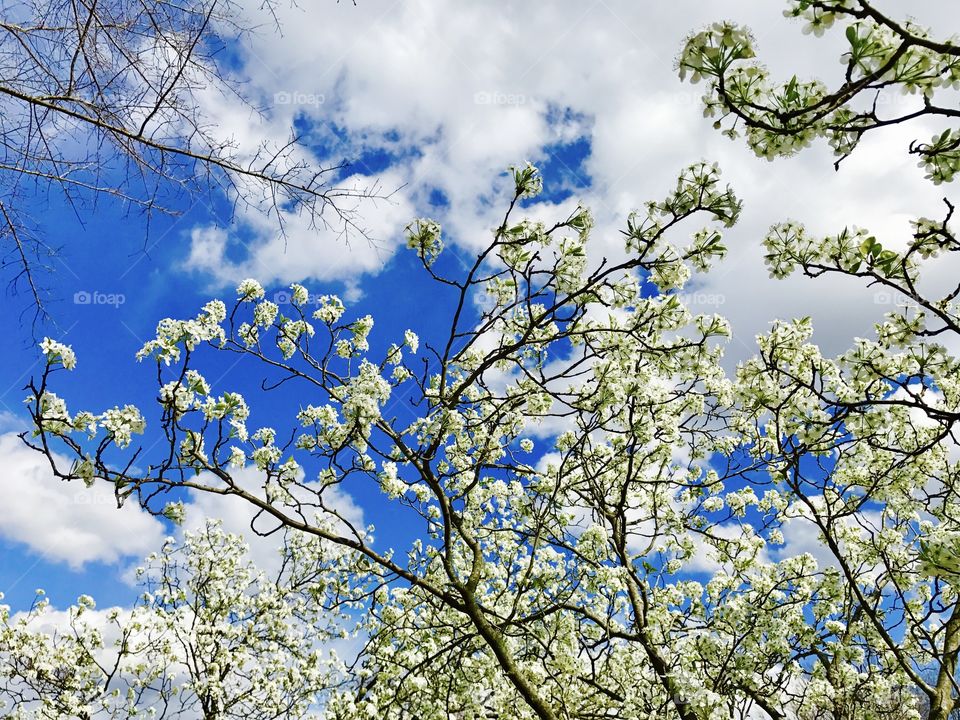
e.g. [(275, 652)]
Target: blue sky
[(421, 100), (114, 278)]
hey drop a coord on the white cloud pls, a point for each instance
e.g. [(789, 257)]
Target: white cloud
[(236, 515), (303, 249), (708, 559), (801, 535), (469, 89), (10, 422), (67, 522)]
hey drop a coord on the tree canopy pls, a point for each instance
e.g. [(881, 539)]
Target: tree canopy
[(602, 509)]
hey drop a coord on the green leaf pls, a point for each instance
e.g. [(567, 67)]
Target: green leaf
[(791, 92), (852, 36), (887, 260), (870, 247)]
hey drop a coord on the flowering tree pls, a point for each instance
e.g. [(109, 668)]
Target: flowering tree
[(603, 513), (535, 568), (570, 580), (212, 637), (886, 58), (865, 443)]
